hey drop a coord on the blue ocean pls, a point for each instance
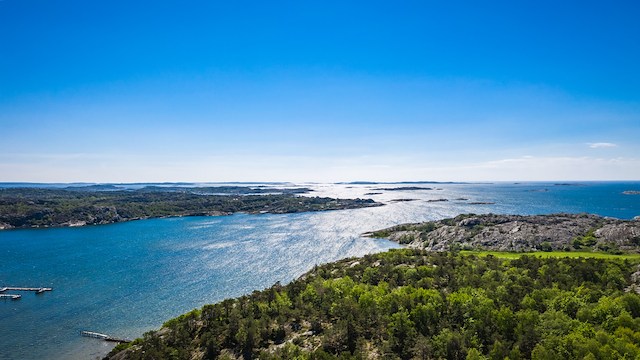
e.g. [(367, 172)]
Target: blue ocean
[(125, 279)]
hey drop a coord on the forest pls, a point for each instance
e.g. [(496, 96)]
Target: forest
[(416, 304)]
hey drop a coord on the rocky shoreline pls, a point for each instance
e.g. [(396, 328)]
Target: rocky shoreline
[(519, 233)]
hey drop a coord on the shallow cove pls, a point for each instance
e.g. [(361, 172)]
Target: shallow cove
[(125, 279)]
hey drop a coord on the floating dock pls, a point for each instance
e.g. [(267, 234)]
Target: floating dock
[(10, 296), (104, 337)]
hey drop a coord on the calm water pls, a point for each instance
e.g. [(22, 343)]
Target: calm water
[(128, 278)]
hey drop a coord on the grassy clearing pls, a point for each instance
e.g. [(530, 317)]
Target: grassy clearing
[(552, 254)]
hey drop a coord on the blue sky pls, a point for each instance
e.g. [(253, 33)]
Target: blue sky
[(318, 91)]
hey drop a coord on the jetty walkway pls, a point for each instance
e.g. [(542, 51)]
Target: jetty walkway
[(37, 290), (104, 337)]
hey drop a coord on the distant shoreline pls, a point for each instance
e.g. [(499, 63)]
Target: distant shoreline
[(37, 208), (84, 224)]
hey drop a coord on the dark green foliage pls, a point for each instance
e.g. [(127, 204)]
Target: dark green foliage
[(34, 207), (545, 246), (586, 241), (409, 304), (422, 228), (610, 248), (381, 234)]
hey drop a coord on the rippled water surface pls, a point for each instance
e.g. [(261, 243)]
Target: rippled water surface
[(125, 279)]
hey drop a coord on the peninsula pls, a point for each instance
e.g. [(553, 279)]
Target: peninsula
[(519, 233), (40, 207), (418, 304)]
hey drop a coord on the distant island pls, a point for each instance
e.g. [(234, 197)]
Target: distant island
[(106, 204), (403, 182), (405, 188)]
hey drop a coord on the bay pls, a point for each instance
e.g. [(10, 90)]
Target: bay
[(128, 278)]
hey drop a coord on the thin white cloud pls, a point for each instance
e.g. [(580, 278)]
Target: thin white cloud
[(550, 168), (602, 145)]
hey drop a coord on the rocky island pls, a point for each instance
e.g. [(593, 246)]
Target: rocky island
[(564, 232), (40, 207), (404, 188)]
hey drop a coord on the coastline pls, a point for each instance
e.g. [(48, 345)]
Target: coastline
[(26, 208), (224, 231), (212, 214), (427, 278), (85, 224)]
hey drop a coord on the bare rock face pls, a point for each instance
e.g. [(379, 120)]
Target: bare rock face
[(635, 282), (520, 233), (620, 233)]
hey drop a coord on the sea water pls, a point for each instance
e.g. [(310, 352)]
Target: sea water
[(125, 279)]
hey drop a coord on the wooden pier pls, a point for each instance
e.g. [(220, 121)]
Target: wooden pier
[(104, 337), (37, 290)]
